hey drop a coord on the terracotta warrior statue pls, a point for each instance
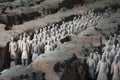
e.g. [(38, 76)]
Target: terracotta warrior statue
[(25, 52), (102, 69), (35, 50), (91, 66), (115, 69), (13, 50)]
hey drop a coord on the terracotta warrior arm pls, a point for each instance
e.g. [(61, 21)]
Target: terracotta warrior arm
[(28, 47), (22, 47), (15, 49), (98, 67), (9, 47), (112, 68), (38, 49), (119, 66), (107, 70), (32, 49)]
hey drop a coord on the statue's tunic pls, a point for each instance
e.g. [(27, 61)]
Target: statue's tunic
[(25, 50), (13, 50), (103, 70)]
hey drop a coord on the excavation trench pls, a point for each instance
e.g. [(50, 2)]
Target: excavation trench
[(5, 55), (20, 15)]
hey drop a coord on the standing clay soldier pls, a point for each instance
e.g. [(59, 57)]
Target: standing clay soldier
[(36, 33), (52, 45), (117, 47), (107, 47), (114, 40), (47, 47), (40, 43), (102, 69), (55, 43), (115, 69), (29, 41), (13, 51), (118, 53), (109, 58), (43, 43), (25, 52), (96, 57), (39, 35), (35, 50), (34, 38), (40, 30), (91, 66), (19, 43), (24, 35), (113, 51)]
